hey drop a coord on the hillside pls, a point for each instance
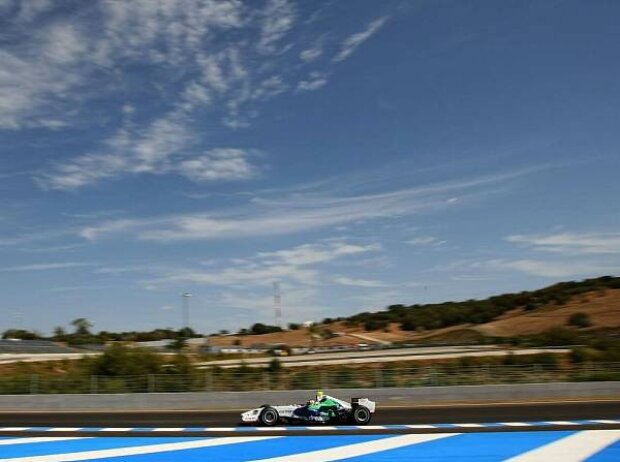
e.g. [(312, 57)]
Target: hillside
[(507, 315)]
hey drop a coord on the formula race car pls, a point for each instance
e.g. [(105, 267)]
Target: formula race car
[(323, 410)]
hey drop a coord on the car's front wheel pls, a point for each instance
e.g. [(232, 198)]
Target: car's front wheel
[(361, 415), (269, 417)]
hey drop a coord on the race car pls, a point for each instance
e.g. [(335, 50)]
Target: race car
[(324, 409)]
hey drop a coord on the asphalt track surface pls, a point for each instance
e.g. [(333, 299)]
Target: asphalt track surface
[(560, 411)]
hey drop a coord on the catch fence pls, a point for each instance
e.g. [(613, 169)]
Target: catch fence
[(255, 379)]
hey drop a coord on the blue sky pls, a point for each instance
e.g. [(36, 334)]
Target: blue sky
[(362, 153)]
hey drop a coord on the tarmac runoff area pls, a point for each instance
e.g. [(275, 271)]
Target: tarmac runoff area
[(504, 417), (573, 431), (331, 358), (383, 356)]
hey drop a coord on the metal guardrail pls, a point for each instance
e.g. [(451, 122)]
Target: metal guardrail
[(246, 379)]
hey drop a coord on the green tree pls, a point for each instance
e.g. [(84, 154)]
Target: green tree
[(21, 334), (178, 344), (60, 335), (579, 320), (119, 360), (275, 365), (82, 326)]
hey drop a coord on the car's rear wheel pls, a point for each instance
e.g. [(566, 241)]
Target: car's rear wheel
[(269, 417), (361, 415)]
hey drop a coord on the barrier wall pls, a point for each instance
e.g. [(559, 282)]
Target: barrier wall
[(245, 400)]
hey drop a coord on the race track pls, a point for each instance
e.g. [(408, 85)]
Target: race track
[(444, 414), (573, 432)]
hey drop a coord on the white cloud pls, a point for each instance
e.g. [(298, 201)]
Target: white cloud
[(42, 267), (314, 81), (61, 58), (553, 269), (27, 86), (351, 43), (309, 254), (347, 281), (278, 18), (155, 150), (46, 81), (311, 54), (144, 151), (430, 241), (163, 31), (571, 243), (219, 164), (293, 212), (297, 264)]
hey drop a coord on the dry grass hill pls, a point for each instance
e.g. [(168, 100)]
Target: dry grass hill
[(602, 306)]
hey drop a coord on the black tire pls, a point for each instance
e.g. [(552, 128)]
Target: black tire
[(361, 415), (269, 417)]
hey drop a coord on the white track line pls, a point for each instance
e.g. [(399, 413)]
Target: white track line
[(116, 429), (63, 429), (574, 448), (46, 439), (468, 425), (419, 427), (14, 429), (139, 450), (360, 449), (169, 429), (561, 422), (516, 424), (606, 421)]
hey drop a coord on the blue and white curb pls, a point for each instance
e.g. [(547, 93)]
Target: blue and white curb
[(317, 428), (521, 446)]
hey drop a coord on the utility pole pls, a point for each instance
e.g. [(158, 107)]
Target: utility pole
[(185, 296), (277, 303)]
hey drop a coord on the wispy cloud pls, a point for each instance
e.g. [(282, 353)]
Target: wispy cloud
[(156, 150), (355, 282), (571, 243), (223, 80), (277, 19), (311, 54), (297, 264), (351, 43), (426, 241), (43, 267), (314, 81), (294, 213), (553, 269)]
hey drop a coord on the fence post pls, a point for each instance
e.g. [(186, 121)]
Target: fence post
[(266, 384), (93, 385), (151, 383), (208, 381), (378, 378), (432, 376), (34, 384)]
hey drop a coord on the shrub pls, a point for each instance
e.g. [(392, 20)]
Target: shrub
[(119, 360), (579, 320), (557, 336), (275, 365), (584, 354)]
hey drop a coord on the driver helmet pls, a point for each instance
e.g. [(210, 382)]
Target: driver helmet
[(320, 395)]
